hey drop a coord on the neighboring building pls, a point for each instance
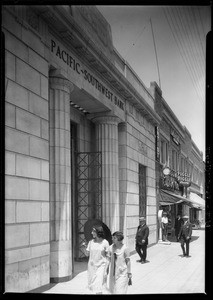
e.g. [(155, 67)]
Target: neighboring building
[(180, 170), (79, 138)]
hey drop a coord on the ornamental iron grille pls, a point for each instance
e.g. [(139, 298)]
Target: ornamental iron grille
[(89, 193), (142, 191)]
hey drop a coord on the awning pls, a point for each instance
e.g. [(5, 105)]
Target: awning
[(197, 201), (168, 198)]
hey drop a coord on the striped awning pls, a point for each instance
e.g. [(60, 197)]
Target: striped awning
[(169, 198), (197, 201)]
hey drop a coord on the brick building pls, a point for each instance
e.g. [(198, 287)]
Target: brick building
[(180, 169)]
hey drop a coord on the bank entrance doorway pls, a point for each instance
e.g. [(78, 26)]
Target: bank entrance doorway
[(86, 193)]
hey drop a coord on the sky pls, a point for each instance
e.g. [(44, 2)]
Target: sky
[(167, 44)]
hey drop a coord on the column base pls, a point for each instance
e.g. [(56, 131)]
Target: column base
[(60, 279)]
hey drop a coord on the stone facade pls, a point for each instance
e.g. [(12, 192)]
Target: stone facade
[(65, 96), (27, 243)]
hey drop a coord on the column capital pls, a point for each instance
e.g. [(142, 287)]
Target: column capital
[(60, 82), (105, 118)]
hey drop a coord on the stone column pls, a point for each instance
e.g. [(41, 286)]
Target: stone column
[(60, 180), (107, 143)]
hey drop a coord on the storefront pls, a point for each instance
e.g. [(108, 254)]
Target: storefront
[(80, 141)]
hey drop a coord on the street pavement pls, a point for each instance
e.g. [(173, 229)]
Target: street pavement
[(165, 272)]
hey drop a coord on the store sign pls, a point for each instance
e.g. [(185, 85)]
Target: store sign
[(76, 66), (157, 149)]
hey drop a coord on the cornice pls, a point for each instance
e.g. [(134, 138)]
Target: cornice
[(59, 20)]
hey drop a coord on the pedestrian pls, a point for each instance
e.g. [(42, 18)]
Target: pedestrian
[(185, 235), (97, 250), (120, 265), (141, 239), (178, 224), (164, 226)]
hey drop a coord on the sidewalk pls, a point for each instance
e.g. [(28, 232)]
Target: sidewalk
[(166, 271)]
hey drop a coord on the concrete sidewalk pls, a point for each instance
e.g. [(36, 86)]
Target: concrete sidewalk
[(166, 271)]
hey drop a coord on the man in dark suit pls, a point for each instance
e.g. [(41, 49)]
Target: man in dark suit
[(141, 239), (185, 235)]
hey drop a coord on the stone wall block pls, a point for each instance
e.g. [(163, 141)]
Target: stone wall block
[(151, 191), (45, 270), (29, 277), (152, 210), (38, 62), (38, 106), (11, 278), (16, 94), (38, 190), (15, 46), (27, 122), (40, 251), (16, 188), (9, 163), (28, 212), (133, 199), (10, 115), (39, 148), (44, 129), (39, 233), (16, 141), (32, 41), (16, 255), (45, 211), (9, 65), (44, 87), (132, 221), (44, 170), (10, 212), (16, 236), (27, 77), (28, 167), (132, 210)]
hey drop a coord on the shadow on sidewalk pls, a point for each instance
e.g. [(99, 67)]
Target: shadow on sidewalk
[(79, 266), (42, 289)]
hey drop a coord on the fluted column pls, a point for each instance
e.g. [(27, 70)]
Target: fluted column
[(107, 143), (60, 180)]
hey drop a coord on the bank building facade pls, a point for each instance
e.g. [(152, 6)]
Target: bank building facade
[(80, 131)]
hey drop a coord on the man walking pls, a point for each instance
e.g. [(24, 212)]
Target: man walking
[(185, 235), (141, 239)]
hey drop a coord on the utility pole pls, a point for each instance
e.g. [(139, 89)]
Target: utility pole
[(155, 53)]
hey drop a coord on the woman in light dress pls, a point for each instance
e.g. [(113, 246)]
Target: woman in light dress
[(97, 249), (120, 265)]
